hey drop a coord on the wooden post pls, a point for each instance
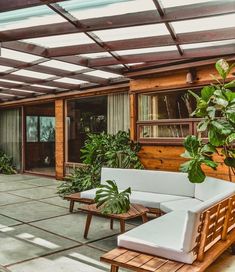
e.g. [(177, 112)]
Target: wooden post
[(59, 138), (133, 116)]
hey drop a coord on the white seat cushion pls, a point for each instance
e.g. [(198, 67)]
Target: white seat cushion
[(162, 237), (160, 182), (152, 200), (212, 187), (181, 204), (149, 200)]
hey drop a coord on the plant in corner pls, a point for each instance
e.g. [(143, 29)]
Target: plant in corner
[(116, 151), (216, 105), (110, 200), (6, 164)]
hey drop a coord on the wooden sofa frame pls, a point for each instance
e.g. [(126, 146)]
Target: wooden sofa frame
[(213, 230)]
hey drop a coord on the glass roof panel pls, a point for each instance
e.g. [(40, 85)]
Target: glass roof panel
[(11, 54), (22, 90), (132, 32), (43, 86), (62, 65), (102, 74), (71, 80), (207, 44), (27, 73), (61, 40), (28, 17), (168, 4), (4, 68), (96, 55), (100, 8), (216, 22), (147, 50)]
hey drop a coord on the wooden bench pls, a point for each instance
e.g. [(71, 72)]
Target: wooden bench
[(215, 224)]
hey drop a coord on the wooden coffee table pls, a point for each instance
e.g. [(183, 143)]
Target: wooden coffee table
[(136, 210)]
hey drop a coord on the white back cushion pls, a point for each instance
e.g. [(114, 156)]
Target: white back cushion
[(212, 187), (162, 182), (193, 222)]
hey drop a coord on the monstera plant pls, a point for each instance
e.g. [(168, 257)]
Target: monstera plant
[(110, 200), (216, 107)]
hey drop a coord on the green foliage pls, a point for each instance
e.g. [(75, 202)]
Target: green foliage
[(6, 164), (116, 151), (216, 105), (82, 178), (111, 200)]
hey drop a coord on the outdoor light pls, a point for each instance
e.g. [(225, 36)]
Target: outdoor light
[(191, 76)]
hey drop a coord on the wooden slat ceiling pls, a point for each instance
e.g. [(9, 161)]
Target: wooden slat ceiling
[(122, 57)]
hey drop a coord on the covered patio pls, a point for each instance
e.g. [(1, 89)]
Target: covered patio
[(113, 76)]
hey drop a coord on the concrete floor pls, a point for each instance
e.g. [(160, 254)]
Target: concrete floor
[(38, 234)]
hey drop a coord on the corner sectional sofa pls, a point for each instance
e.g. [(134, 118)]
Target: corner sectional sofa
[(173, 235)]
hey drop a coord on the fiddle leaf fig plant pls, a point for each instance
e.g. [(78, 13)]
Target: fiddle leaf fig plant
[(216, 107), (110, 200)]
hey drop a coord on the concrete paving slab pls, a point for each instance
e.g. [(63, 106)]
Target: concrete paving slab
[(35, 193), (23, 242), (32, 210), (6, 199)]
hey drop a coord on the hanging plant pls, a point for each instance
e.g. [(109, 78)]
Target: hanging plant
[(110, 200), (216, 107)]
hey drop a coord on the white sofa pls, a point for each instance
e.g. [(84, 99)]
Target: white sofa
[(172, 235)]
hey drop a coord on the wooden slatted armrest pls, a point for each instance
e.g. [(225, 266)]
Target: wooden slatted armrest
[(76, 197)]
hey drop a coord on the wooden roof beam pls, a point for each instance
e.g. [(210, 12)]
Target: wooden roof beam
[(169, 55), (174, 14), (146, 42)]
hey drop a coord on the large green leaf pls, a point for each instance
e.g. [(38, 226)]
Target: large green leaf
[(191, 144), (111, 200), (207, 92), (195, 174), (222, 67), (215, 138), (230, 138)]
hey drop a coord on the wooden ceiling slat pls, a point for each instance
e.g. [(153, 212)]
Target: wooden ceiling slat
[(169, 55), (173, 14), (17, 92), (146, 42)]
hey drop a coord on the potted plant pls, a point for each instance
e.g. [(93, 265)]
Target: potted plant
[(216, 107)]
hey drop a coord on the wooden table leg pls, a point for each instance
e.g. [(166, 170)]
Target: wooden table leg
[(111, 223), (144, 218), (88, 222), (114, 268), (122, 225), (71, 206)]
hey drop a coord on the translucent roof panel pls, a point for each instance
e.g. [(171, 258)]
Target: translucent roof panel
[(96, 55), (169, 4), (132, 32), (207, 44), (43, 86), (216, 22), (61, 40), (11, 54), (62, 65), (102, 74), (4, 68), (32, 74), (100, 8), (22, 90), (147, 50), (28, 17), (71, 80)]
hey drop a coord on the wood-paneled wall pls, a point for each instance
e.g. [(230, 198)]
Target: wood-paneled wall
[(160, 157)]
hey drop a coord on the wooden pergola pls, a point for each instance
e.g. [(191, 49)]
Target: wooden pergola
[(122, 59)]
